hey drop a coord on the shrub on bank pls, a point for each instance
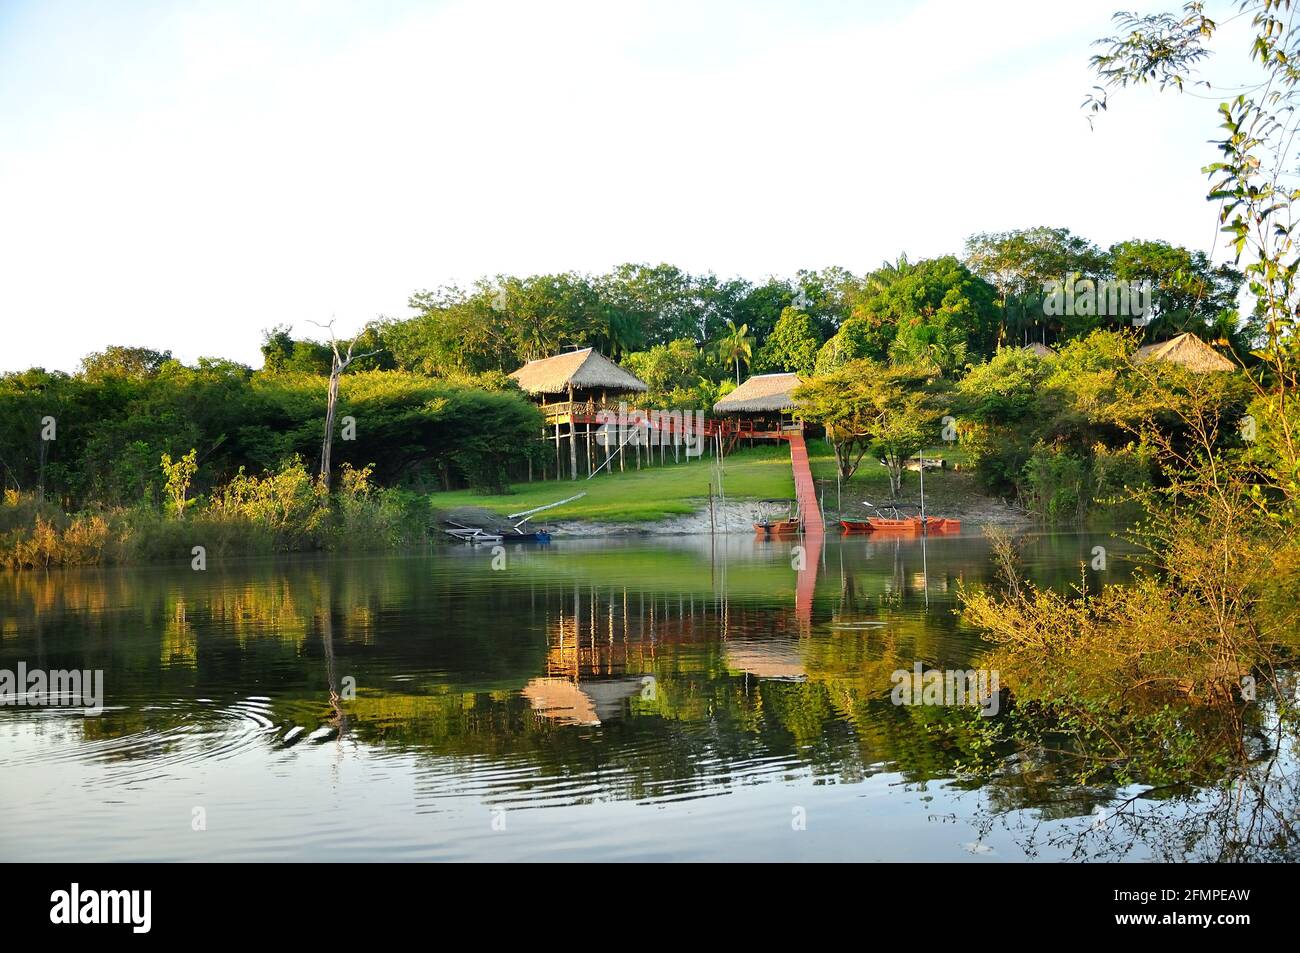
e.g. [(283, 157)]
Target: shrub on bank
[(282, 511)]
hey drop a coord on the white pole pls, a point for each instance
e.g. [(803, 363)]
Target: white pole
[(922, 489)]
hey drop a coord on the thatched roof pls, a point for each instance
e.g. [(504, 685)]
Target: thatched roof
[(586, 369), (762, 392), (585, 703), (1041, 350), (1187, 350)]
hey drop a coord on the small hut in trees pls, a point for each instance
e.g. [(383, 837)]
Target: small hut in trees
[(585, 376), (572, 389), (1189, 351), (1039, 350), (764, 403)]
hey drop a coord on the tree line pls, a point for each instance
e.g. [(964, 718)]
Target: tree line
[(692, 336)]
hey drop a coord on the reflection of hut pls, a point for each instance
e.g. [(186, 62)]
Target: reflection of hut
[(581, 383), (1189, 351), (1039, 350), (774, 659), (764, 403), (580, 703)]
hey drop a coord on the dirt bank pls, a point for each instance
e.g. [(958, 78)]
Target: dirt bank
[(739, 517)]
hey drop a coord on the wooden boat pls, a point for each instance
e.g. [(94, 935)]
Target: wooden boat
[(516, 533), (772, 529), (537, 536), (775, 527), (879, 524), (901, 524), (906, 525)]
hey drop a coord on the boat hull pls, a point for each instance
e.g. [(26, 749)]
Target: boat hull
[(912, 525), (777, 530), (540, 536)]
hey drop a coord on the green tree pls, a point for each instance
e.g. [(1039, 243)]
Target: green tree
[(124, 362), (1019, 263), (792, 345), (868, 407), (851, 342), (178, 475), (934, 300), (1188, 292)]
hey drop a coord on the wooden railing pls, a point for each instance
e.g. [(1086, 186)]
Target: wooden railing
[(586, 411)]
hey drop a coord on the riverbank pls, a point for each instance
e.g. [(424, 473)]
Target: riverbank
[(673, 500)]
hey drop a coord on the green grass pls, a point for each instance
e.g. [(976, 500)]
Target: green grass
[(649, 494)]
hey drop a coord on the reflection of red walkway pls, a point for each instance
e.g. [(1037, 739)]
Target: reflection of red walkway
[(813, 531)]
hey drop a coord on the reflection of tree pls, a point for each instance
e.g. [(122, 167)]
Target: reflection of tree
[(326, 615), (1251, 815)]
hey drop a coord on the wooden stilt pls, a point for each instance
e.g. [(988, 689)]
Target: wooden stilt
[(573, 449)]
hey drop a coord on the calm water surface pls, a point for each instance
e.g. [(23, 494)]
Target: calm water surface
[(663, 699)]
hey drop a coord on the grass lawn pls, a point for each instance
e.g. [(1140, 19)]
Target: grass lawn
[(649, 494)]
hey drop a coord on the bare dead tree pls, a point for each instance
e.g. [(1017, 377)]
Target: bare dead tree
[(341, 359)]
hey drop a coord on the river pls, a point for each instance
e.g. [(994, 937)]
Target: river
[(662, 699)]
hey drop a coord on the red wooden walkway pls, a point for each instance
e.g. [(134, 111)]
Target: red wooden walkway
[(804, 488)]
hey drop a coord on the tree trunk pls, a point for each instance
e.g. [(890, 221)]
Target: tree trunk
[(895, 468), (330, 408)]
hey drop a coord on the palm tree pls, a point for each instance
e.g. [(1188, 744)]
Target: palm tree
[(618, 331), (889, 272), (735, 345)]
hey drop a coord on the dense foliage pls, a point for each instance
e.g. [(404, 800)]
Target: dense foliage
[(111, 430)]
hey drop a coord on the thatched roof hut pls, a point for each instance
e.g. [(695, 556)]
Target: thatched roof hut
[(585, 370), (1189, 351), (1039, 350), (762, 393)]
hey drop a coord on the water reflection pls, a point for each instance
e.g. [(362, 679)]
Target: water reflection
[(378, 707)]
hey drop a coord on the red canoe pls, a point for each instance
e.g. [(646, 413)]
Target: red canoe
[(912, 525)]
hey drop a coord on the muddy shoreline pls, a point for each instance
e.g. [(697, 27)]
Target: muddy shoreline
[(739, 517)]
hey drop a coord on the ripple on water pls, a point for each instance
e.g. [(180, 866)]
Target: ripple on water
[(183, 733)]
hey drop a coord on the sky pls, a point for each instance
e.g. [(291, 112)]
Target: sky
[(183, 175)]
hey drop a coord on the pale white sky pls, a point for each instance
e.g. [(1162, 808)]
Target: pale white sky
[(182, 175)]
